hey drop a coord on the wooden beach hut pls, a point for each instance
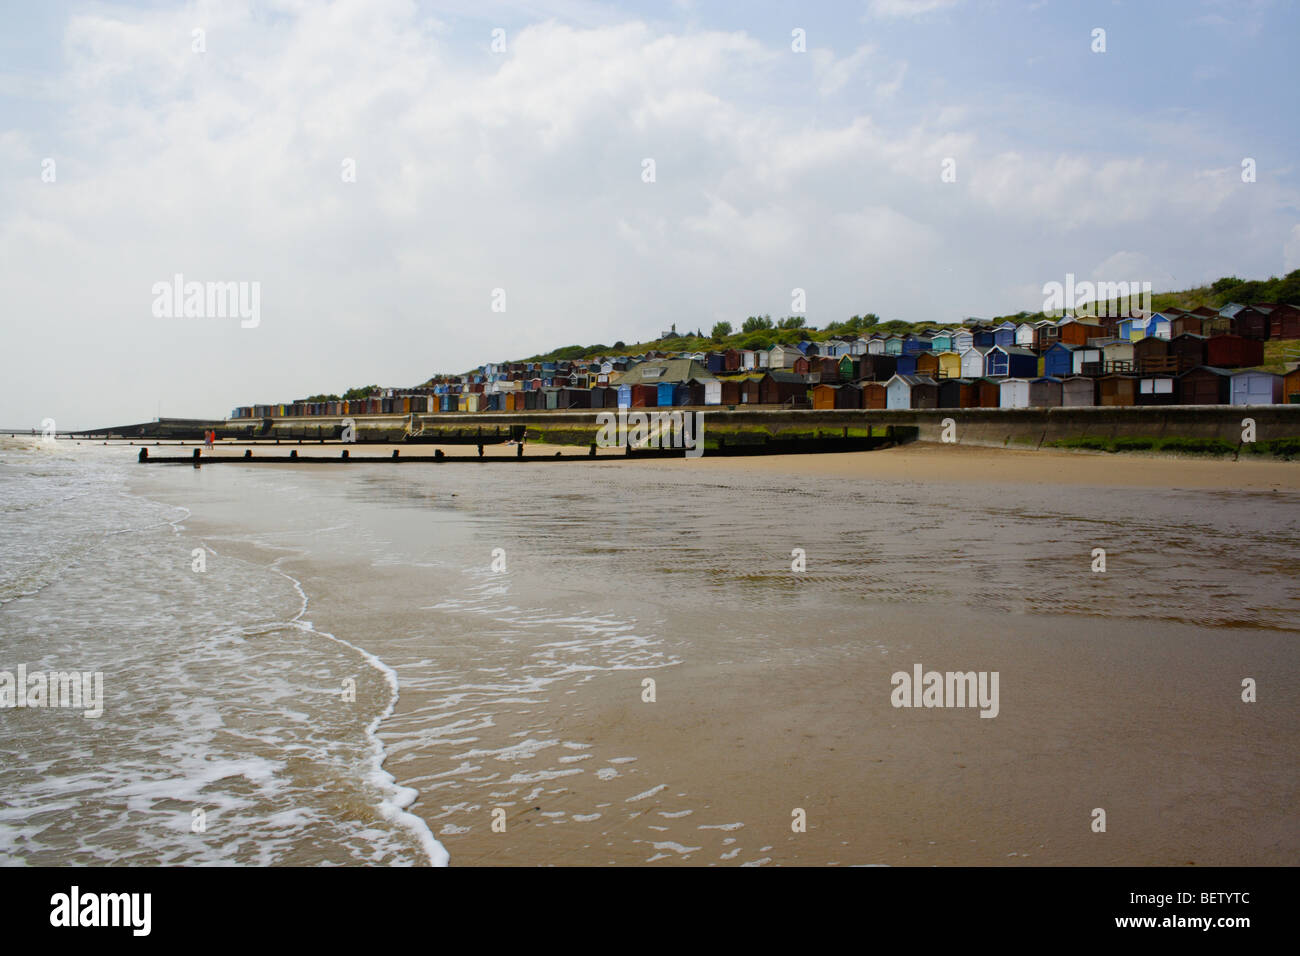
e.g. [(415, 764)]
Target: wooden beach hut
[(1013, 393), (1256, 388), (1233, 351), (1046, 392), (777, 388), (875, 395), (1007, 361), (1187, 350), (1205, 385), (1151, 354), (1078, 391), (1117, 389), (927, 363), (1291, 387), (1157, 390), (912, 391), (877, 368), (972, 362), (1059, 360)]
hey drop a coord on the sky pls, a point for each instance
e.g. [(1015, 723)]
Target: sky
[(413, 188)]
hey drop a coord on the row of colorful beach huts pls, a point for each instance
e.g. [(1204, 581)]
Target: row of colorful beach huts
[(1197, 357)]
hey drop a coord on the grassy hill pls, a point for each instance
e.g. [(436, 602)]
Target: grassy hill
[(1215, 295)]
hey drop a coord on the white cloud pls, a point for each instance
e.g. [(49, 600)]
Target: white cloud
[(521, 171), (895, 9)]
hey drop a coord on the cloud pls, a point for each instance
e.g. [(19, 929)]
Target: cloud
[(522, 171), (897, 9)]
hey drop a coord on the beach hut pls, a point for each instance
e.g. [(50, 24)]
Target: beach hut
[(950, 392), (906, 364), (875, 346), (667, 395), (877, 368), (783, 356), (949, 364), (1059, 360), (941, 341), (645, 395), (1151, 355), (927, 363), (624, 396), (959, 393), (1025, 338), (823, 396), (848, 395), (1117, 389), (1078, 332), (1117, 357), (1185, 323), (1046, 334), (713, 392), (972, 362), (962, 339), (987, 393), (848, 368), (1008, 361), (693, 391), (777, 388), (826, 367), (1187, 350), (894, 345), (1233, 351), (1284, 322), (750, 393), (1204, 386), (1078, 391), (533, 399), (1013, 393), (1131, 329), (1159, 326), (875, 395), (1046, 392), (982, 337), (1256, 388), (912, 391), (1005, 335), (1291, 387), (1157, 390)]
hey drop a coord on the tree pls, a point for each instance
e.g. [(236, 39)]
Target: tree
[(365, 391), (721, 330), (757, 323), (791, 322), (619, 345)]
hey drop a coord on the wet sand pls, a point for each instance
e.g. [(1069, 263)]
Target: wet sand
[(934, 462), (765, 705)]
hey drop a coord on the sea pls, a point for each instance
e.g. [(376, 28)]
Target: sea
[(342, 665)]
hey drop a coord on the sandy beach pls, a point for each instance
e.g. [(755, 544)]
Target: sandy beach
[(1118, 691)]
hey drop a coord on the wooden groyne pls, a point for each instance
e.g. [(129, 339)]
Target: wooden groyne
[(725, 445)]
